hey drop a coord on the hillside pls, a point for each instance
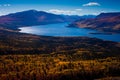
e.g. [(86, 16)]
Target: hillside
[(18, 43), (28, 18), (105, 22), (26, 56)]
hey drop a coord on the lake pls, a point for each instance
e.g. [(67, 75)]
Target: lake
[(60, 30)]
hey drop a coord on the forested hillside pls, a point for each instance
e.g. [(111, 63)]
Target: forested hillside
[(20, 43), (31, 57)]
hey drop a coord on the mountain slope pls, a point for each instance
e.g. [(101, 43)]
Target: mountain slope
[(105, 22), (27, 18), (33, 17)]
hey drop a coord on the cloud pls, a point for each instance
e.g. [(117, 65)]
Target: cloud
[(78, 9), (58, 11), (92, 4), (95, 13), (5, 5)]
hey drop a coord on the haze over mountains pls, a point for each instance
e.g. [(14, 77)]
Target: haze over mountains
[(105, 22)]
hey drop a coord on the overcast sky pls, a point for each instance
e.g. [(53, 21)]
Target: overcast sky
[(68, 7)]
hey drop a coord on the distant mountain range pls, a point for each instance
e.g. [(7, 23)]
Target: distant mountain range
[(105, 22), (33, 17)]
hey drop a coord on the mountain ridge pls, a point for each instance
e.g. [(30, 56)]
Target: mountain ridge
[(34, 17), (28, 18), (105, 22), (107, 15)]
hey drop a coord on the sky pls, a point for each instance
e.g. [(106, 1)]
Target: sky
[(67, 7)]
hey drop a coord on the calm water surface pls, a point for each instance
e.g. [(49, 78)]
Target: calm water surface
[(60, 29)]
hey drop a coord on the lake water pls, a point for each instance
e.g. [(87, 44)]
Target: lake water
[(61, 30)]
